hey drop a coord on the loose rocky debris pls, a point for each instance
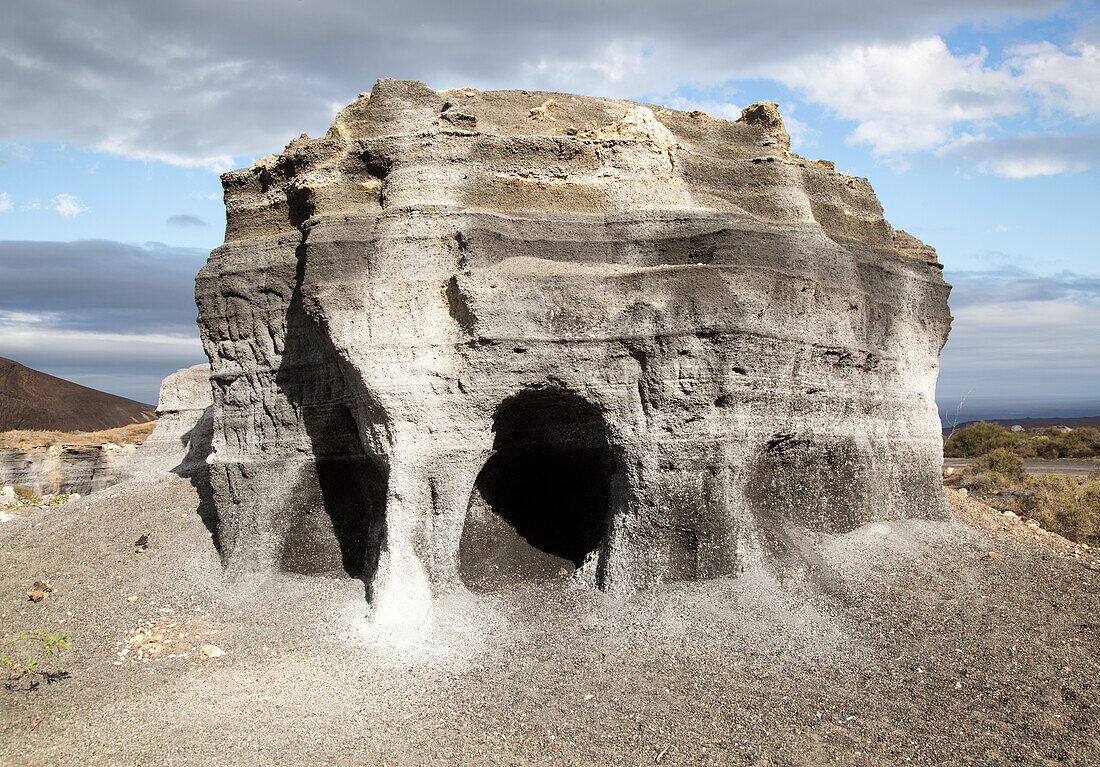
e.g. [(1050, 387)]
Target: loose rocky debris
[(973, 512), (39, 591), (170, 638), (17, 500), (933, 653)]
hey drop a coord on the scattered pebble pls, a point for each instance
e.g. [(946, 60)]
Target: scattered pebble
[(211, 651)]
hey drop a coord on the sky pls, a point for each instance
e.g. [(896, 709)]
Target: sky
[(976, 121)]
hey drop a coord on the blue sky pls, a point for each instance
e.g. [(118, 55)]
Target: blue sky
[(976, 121)]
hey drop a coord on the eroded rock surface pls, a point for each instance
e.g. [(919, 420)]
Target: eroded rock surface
[(67, 469), (657, 344), (180, 443), (88, 462)]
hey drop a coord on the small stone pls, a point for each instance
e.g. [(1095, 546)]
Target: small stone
[(589, 696), (992, 555), (132, 598), (211, 651)]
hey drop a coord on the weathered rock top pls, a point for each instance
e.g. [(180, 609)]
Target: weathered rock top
[(405, 145)]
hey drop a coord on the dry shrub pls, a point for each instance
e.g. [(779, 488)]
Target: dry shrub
[(993, 471), (1064, 506), (1054, 442)]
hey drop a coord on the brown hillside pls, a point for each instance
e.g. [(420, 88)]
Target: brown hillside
[(37, 401)]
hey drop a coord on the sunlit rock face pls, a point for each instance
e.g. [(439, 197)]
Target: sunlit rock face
[(180, 443), (467, 337)]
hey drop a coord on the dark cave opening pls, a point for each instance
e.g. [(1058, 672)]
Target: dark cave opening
[(542, 500)]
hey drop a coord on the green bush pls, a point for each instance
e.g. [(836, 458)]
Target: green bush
[(978, 439), (1055, 442)]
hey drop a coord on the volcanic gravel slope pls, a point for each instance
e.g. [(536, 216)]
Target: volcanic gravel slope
[(33, 400), (909, 643)]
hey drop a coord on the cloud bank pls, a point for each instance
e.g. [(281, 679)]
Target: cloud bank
[(1021, 337), (106, 314), (196, 83)]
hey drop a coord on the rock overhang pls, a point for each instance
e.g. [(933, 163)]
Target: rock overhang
[(759, 343)]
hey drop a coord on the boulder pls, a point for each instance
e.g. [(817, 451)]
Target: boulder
[(653, 345)]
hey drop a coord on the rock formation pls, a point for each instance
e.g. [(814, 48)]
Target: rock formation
[(650, 344), (180, 442), (67, 469)]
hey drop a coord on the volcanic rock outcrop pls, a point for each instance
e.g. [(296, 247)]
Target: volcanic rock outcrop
[(464, 328), (179, 443)]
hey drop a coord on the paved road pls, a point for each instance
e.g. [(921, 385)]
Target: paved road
[(1069, 467)]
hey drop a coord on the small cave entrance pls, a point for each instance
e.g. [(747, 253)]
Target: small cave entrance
[(542, 502)]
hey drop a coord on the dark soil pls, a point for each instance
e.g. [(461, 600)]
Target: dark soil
[(935, 644), (32, 400)]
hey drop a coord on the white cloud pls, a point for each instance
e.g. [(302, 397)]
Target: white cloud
[(1066, 81), (1031, 167), (5, 202), (919, 95), (904, 97), (1027, 155), (132, 149), (67, 205)]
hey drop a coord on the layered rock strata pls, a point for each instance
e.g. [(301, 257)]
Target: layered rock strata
[(649, 344), (180, 442), (67, 469)]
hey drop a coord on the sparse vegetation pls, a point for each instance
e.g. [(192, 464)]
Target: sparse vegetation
[(26, 654), (124, 435), (1065, 505), (1054, 442)]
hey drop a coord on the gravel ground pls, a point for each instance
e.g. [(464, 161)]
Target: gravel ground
[(969, 642)]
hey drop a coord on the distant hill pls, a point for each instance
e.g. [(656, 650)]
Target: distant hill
[(36, 401), (1034, 423)]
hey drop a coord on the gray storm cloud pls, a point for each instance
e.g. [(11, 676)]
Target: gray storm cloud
[(195, 82)]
